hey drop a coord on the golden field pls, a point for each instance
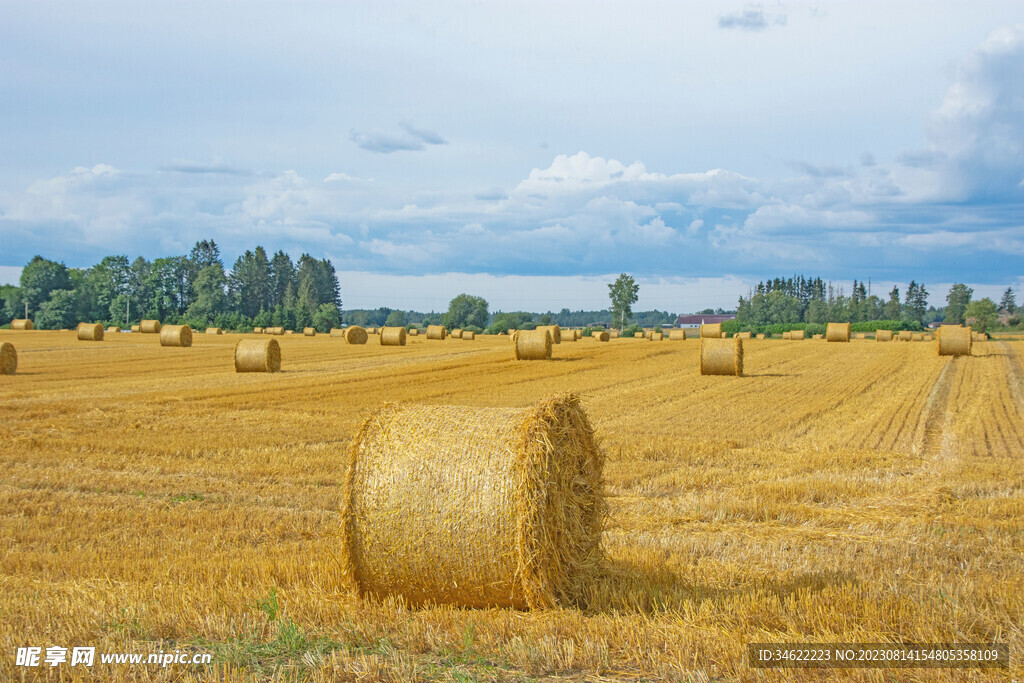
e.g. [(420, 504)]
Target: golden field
[(152, 499)]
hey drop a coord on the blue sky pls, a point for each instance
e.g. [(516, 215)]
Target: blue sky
[(523, 151)]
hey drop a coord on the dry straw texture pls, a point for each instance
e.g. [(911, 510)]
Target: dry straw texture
[(556, 332), (817, 336), (797, 335), (906, 335), (113, 328), (760, 337), (257, 355), (742, 335), (954, 340), (8, 359), (371, 330), (414, 332), (214, 330), (149, 326), (602, 336), (436, 332), (456, 333), (289, 331), (657, 336), (787, 335), (136, 328), (354, 334), (309, 331), (883, 335), (917, 336), (711, 331), (639, 335), (257, 330), (337, 332), (614, 334), (392, 336), (475, 507), (721, 356), (469, 334), (22, 324), (176, 335), (837, 332), (511, 331), (532, 344), (677, 335), (90, 331), (577, 334), (860, 335)]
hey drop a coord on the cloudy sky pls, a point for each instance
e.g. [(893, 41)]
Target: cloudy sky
[(524, 151)]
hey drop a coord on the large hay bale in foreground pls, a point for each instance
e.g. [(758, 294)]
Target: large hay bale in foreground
[(392, 336), (476, 507), (469, 334), (8, 359), (22, 324), (721, 356), (257, 355), (149, 327), (214, 330), (677, 335), (711, 331), (309, 331), (906, 335), (354, 334), (883, 335), (436, 332), (556, 332), (954, 340), (601, 336), (136, 328), (797, 335), (837, 332), (532, 344), (90, 332), (176, 335)]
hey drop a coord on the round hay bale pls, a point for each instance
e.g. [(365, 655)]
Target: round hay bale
[(136, 328), (883, 335), (817, 337), (392, 336), (476, 507), (657, 336), (760, 337), (309, 331), (837, 332), (797, 335), (906, 335), (917, 336), (468, 334), (214, 330), (414, 332), (273, 330), (371, 330), (742, 335), (289, 331), (556, 332), (257, 355), (8, 359), (602, 336), (257, 330), (150, 327), (355, 335), (639, 335), (711, 331), (860, 335), (954, 340), (113, 328), (721, 357), (22, 324), (90, 332), (337, 332), (436, 332), (787, 335), (176, 335), (511, 331), (614, 334), (456, 333), (577, 334), (532, 344), (677, 335)]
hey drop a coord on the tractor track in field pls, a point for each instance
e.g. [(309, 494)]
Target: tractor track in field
[(1014, 376), (936, 412)]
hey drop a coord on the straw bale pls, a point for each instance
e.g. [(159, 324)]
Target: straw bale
[(273, 330), (475, 507), (354, 334), (711, 331), (392, 336), (787, 335), (22, 324), (309, 331), (578, 334), (150, 327), (136, 328), (797, 335), (760, 337), (532, 344), (657, 336), (601, 336), (883, 335), (676, 335), (614, 334), (468, 334), (954, 340), (511, 331), (917, 336), (860, 335), (984, 336), (289, 331), (436, 332), (337, 332), (906, 335), (639, 335), (721, 357), (214, 330), (90, 332), (928, 338), (456, 333), (8, 359), (372, 330), (817, 336), (837, 332), (113, 328), (556, 332), (742, 335), (414, 332), (257, 355), (176, 335)]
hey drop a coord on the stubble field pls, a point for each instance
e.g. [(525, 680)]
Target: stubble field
[(153, 500)]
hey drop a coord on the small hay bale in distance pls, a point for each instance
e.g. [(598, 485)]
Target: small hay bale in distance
[(578, 334), (787, 335), (136, 328), (392, 336), (860, 335), (337, 332), (711, 331), (954, 340), (257, 355), (657, 336), (837, 332), (639, 335), (289, 331), (511, 331), (257, 330), (309, 331), (760, 337), (721, 356), (906, 335), (883, 335), (176, 335), (113, 329), (436, 332), (797, 335), (90, 332), (8, 359), (475, 507), (22, 324), (614, 334), (532, 344), (817, 337), (917, 336), (469, 335), (214, 330), (556, 332), (149, 327), (602, 336), (742, 335), (273, 330), (354, 334), (456, 333), (677, 335), (414, 332)]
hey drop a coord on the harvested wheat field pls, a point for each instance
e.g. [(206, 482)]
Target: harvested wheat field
[(833, 493)]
